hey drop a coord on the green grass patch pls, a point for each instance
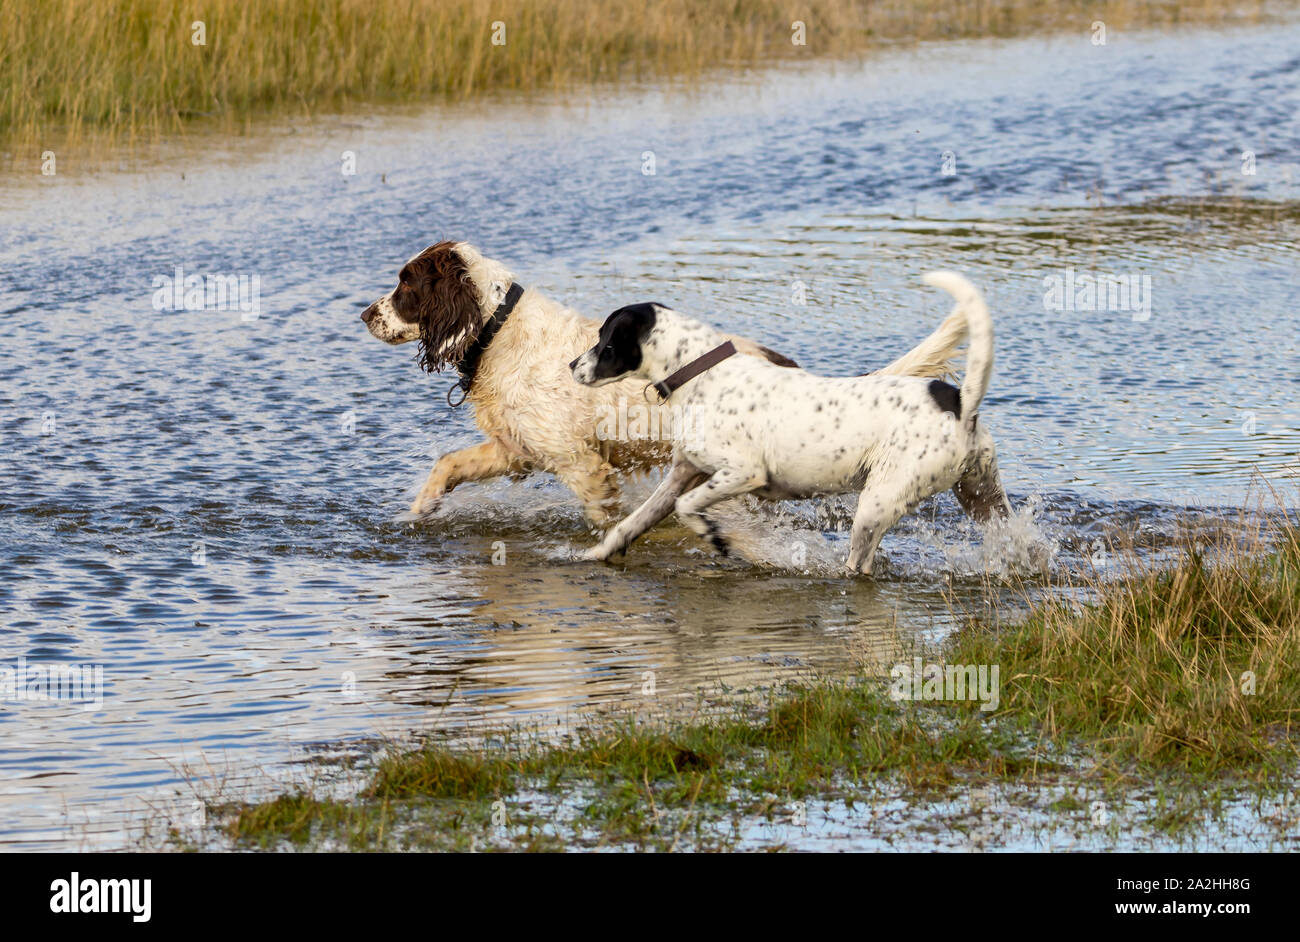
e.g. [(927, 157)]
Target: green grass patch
[(1189, 668), (437, 772), (296, 818)]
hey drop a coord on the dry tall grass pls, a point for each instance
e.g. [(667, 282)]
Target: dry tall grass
[(129, 68)]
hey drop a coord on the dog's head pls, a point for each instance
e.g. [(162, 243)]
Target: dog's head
[(618, 352), (442, 298)]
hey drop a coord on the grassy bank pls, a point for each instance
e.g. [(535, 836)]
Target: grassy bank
[(130, 69), (1172, 695), (1193, 667)]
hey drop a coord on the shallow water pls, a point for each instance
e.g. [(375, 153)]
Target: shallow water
[(207, 507)]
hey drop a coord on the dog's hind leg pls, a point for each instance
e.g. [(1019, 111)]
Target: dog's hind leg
[(979, 489), (880, 506), (488, 460), (681, 477), (723, 484), (591, 477)]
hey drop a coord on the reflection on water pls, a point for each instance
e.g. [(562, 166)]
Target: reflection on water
[(207, 507)]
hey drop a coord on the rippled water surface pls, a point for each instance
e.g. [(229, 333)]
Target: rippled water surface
[(207, 507)]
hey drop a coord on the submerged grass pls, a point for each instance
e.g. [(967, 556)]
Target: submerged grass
[(808, 742), (441, 773), (1178, 681), (123, 70)]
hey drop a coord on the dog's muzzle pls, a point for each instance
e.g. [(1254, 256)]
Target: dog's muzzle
[(582, 369)]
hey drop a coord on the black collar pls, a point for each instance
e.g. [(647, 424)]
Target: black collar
[(666, 387), (467, 367)]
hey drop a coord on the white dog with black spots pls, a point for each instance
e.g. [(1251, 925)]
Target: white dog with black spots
[(782, 433)]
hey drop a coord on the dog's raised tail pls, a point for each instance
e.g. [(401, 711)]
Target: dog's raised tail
[(936, 355), (979, 325)]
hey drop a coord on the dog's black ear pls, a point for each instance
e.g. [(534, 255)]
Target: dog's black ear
[(449, 306), (618, 351), (642, 314), (633, 321)]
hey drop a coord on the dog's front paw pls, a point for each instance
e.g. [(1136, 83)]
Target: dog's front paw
[(425, 503), (598, 553)]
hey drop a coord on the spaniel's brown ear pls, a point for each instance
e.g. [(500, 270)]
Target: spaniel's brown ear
[(449, 308)]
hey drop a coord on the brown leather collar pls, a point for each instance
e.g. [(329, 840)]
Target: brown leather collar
[(666, 387)]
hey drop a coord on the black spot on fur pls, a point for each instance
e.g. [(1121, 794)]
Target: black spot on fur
[(946, 396), (716, 538)]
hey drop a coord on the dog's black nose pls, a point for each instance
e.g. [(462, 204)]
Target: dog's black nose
[(367, 314), (574, 362)]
